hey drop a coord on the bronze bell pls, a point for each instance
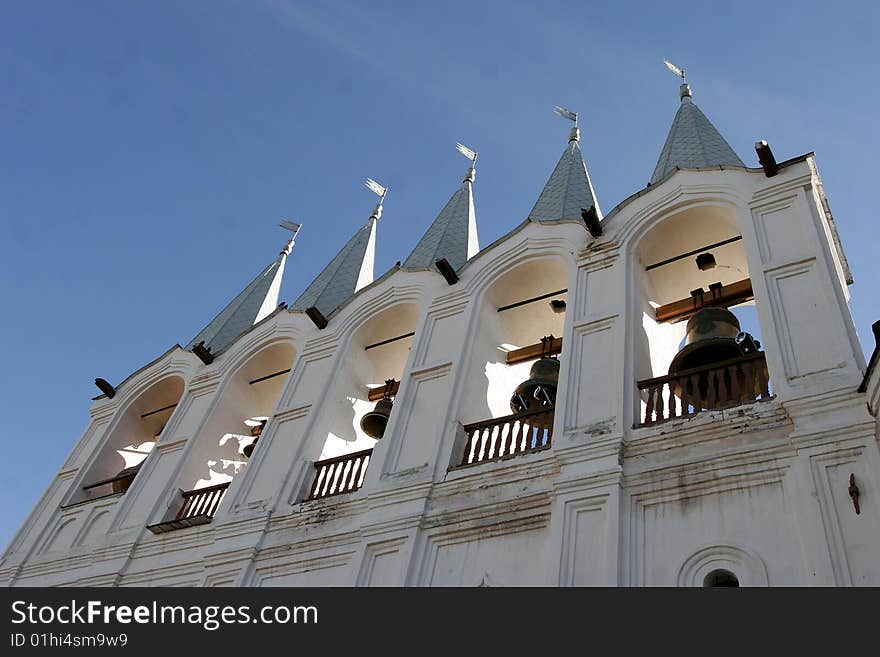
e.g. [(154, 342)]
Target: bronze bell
[(540, 388), (374, 422), (248, 449), (710, 338)]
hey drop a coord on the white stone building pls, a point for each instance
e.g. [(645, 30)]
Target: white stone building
[(761, 468)]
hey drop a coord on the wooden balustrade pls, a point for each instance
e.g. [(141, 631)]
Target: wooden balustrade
[(202, 501), (341, 474), (501, 437), (198, 507), (719, 385)]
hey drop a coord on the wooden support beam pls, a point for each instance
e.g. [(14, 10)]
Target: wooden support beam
[(532, 352), (694, 252), (532, 300), (158, 410), (105, 387), (389, 340), (447, 271), (203, 352), (317, 317), (728, 295), (375, 394), (591, 220), (765, 157), (268, 376)]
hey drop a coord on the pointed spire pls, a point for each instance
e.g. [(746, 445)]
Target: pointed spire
[(350, 270), (569, 188), (453, 235), (256, 302), (693, 142)]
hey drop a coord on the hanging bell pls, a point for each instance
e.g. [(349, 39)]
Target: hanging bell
[(248, 449), (374, 422), (710, 337), (539, 389)]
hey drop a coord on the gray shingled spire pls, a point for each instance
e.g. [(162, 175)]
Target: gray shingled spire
[(350, 270), (453, 235), (254, 303), (693, 142), (569, 189)]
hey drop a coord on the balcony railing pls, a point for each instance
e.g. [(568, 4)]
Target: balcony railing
[(199, 506), (507, 436), (341, 474), (719, 385)]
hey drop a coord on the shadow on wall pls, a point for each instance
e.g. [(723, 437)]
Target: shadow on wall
[(131, 439), (379, 350), (249, 395)]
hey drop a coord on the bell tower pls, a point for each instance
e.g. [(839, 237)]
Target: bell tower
[(669, 394)]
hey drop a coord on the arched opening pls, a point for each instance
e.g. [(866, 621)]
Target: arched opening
[(697, 341), (513, 370), (131, 440), (355, 414), (223, 445), (246, 402), (720, 578)]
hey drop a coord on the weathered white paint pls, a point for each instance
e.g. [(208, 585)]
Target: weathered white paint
[(760, 490)]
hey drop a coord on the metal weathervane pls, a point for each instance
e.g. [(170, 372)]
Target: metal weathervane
[(293, 227), (678, 71), (468, 153), (471, 174), (379, 191), (567, 114)]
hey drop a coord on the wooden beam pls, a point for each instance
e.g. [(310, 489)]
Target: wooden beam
[(375, 394), (765, 157), (158, 410), (268, 376), (317, 317), (447, 271), (694, 252), (532, 352), (532, 300), (383, 342), (729, 295), (591, 219)]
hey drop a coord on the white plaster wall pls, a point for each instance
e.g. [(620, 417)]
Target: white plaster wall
[(761, 488)]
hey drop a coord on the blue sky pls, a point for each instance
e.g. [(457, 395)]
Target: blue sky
[(149, 149)]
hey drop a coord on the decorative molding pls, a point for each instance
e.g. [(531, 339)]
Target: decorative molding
[(819, 466), (372, 551), (780, 186), (573, 512), (748, 567), (267, 569), (593, 325)]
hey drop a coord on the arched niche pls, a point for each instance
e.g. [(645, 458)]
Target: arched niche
[(514, 312), (696, 248), (378, 351), (251, 392), (131, 439), (707, 566)]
